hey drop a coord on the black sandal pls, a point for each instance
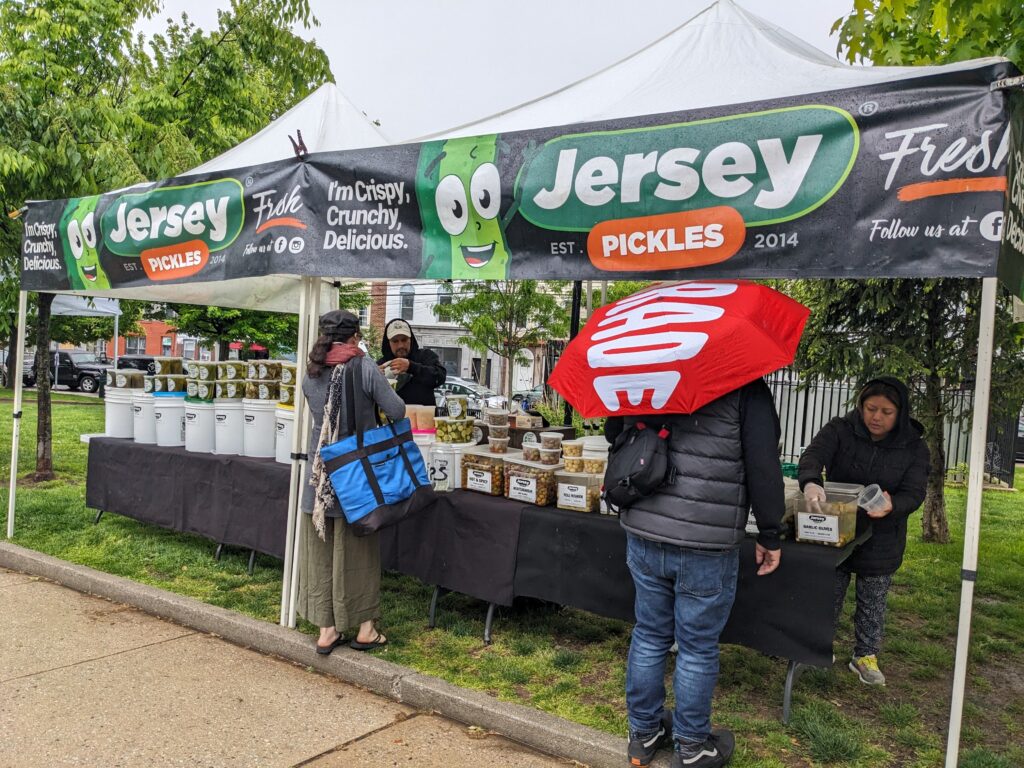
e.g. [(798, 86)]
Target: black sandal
[(325, 650), (378, 642)]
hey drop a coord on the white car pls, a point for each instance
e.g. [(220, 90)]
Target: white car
[(478, 395)]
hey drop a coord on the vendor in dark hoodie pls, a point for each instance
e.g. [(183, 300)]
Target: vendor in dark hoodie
[(878, 443), (418, 370)]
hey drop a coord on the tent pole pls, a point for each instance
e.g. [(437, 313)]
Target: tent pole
[(19, 386), (574, 328), (972, 523), (117, 332), (302, 426), (296, 470)]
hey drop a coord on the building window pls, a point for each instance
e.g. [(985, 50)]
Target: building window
[(188, 349), (166, 345), (135, 345), (364, 317), (444, 295), (450, 357), (408, 296)]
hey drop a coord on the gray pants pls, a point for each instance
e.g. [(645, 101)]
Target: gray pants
[(869, 614), (339, 579)]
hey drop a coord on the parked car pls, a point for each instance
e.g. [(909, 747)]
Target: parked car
[(75, 368), (529, 397), (477, 395), (1020, 440), (138, 363)]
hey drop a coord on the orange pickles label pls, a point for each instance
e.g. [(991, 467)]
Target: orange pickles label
[(667, 240), (170, 262)]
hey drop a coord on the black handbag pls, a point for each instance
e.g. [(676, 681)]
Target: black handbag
[(638, 464)]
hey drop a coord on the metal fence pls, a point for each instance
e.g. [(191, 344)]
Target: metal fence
[(806, 408)]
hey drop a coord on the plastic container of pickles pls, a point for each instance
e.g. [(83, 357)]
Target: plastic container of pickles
[(530, 481), (230, 389), (449, 430), (163, 366), (288, 373)]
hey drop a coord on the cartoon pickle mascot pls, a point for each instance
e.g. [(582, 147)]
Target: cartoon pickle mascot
[(458, 187), (78, 238)]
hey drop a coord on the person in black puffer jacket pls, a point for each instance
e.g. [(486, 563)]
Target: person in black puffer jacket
[(876, 443)]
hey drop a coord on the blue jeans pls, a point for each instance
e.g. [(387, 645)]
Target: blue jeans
[(683, 595)]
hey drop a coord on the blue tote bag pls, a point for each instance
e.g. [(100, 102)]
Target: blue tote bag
[(378, 474)]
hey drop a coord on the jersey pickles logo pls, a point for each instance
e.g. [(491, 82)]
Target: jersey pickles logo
[(683, 195), (173, 229)]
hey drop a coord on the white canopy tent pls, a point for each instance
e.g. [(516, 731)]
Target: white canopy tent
[(723, 56)]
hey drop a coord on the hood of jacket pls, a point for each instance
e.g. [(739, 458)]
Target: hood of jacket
[(906, 430), (385, 344)]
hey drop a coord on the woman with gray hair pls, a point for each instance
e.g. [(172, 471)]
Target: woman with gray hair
[(339, 577)]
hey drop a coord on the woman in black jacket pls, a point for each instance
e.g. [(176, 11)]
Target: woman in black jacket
[(876, 443)]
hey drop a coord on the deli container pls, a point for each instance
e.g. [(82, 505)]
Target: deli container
[(288, 372), (261, 389), (833, 523), (230, 389), (268, 369), (451, 430), (163, 366), (496, 417), (578, 491), (483, 471), (175, 382), (530, 481), (232, 369), (572, 448), (286, 394), (124, 379), (457, 406)]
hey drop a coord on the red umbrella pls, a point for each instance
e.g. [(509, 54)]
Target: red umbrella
[(675, 347)]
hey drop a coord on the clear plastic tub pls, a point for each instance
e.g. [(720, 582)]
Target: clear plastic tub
[(575, 464), (594, 465), (498, 444), (531, 451), (497, 431), (496, 417), (551, 440), (529, 481), (572, 448), (451, 430), (578, 491), (550, 456)]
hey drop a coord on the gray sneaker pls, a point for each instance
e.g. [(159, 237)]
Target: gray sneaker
[(867, 669), (715, 752)]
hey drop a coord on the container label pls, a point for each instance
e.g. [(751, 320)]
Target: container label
[(572, 495), (478, 480), (440, 474), (523, 489), (455, 409), (530, 438), (815, 527)]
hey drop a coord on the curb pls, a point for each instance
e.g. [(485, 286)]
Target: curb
[(531, 727)]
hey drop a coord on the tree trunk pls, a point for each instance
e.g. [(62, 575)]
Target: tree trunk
[(222, 350), (934, 527), (44, 436), (510, 362)]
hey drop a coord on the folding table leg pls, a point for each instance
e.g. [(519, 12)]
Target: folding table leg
[(487, 624), (432, 616), (792, 673), (99, 514), (217, 552), (252, 560)]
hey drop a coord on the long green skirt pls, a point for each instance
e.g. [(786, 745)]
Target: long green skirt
[(339, 579)]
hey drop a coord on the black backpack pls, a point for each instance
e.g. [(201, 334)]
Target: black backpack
[(638, 465)]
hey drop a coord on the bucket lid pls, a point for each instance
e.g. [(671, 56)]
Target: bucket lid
[(170, 394)]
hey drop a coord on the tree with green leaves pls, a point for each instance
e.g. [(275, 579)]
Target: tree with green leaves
[(922, 330), (86, 106), (506, 317)]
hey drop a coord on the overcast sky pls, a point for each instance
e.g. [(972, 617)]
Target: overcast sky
[(392, 57)]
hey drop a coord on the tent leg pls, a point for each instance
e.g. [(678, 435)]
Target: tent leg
[(19, 386), (297, 465), (979, 430), (574, 328)]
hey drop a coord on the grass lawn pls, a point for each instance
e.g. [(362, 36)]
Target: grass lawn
[(572, 663)]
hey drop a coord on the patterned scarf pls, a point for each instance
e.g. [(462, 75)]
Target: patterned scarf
[(320, 479)]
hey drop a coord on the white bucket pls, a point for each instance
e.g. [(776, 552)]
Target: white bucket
[(119, 417), (260, 428), (199, 427), (283, 442), (227, 430), (143, 417), (169, 413)]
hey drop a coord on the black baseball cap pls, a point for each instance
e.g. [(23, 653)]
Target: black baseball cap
[(338, 322)]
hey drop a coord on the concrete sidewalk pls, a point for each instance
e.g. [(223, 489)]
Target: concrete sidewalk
[(224, 707), (88, 682)]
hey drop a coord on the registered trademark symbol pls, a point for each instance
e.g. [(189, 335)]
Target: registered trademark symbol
[(868, 108), (248, 181)]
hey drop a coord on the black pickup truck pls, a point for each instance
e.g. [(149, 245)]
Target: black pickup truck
[(73, 368)]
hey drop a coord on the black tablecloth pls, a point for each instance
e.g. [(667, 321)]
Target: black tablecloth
[(466, 543), (233, 500), (580, 560)]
